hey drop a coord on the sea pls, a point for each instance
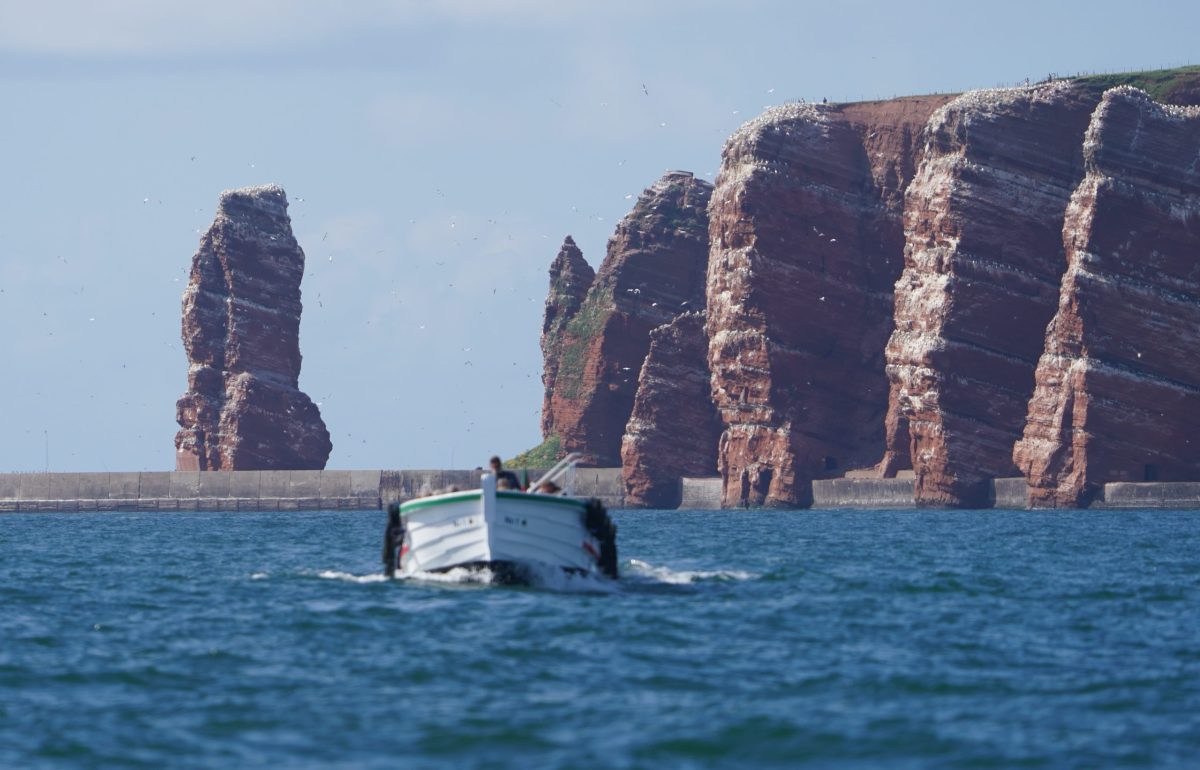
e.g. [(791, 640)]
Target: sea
[(791, 639)]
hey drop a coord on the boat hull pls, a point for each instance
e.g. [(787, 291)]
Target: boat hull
[(498, 530), (506, 573)]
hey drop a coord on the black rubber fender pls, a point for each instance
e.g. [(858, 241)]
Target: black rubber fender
[(393, 538), (600, 525)]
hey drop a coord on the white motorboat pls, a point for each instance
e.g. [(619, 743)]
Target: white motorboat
[(507, 532)]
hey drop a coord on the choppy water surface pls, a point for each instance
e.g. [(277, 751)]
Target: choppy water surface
[(790, 639)]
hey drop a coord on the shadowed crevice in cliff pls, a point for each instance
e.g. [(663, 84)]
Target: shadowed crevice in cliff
[(594, 347), (1118, 385), (807, 242), (241, 328)]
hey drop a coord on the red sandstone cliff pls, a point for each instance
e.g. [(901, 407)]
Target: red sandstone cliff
[(654, 270), (820, 213), (241, 325), (1118, 386), (806, 245), (983, 258), (674, 428), (570, 278)]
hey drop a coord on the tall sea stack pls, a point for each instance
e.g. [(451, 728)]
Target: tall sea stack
[(241, 328)]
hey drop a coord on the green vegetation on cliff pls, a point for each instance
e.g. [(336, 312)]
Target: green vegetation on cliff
[(585, 326), (544, 455), (1180, 85), (1174, 86)]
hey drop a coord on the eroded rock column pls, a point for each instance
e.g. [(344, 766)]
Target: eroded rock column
[(241, 327)]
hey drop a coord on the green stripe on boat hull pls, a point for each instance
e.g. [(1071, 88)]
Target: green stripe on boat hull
[(459, 497)]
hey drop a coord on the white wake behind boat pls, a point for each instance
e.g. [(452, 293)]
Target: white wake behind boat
[(506, 532)]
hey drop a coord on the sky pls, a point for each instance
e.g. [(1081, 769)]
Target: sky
[(435, 154)]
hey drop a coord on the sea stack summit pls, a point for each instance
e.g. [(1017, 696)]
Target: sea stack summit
[(241, 328)]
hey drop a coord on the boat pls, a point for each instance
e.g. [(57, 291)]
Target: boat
[(511, 534)]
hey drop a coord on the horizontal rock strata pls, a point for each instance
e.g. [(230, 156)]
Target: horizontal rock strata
[(807, 243), (983, 260), (1118, 385), (241, 326)]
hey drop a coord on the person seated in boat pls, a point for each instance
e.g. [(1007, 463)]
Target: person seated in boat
[(504, 479), (548, 488)]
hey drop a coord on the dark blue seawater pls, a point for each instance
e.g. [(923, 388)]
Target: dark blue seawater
[(759, 639)]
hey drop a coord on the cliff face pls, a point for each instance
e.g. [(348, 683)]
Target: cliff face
[(674, 428), (654, 270), (806, 244), (983, 259), (1118, 386), (241, 324), (879, 283), (570, 278)]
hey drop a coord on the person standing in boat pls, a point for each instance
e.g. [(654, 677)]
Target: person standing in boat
[(504, 479)]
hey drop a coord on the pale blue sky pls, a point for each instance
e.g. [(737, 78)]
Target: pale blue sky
[(442, 151)]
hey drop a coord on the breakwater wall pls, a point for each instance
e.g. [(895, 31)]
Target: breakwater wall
[(1008, 494), (255, 490), (900, 493), (1159, 494), (373, 489), (700, 493), (705, 493)]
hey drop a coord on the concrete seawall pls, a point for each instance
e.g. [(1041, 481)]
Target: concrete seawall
[(1007, 494), (254, 490), (1160, 494), (191, 491), (858, 493), (373, 489), (863, 493), (701, 493)]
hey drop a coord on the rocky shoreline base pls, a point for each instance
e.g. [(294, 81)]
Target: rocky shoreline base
[(373, 489)]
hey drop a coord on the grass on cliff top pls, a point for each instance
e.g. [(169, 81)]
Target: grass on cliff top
[(1160, 84), (544, 455)]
